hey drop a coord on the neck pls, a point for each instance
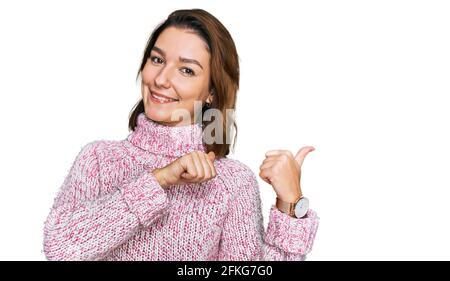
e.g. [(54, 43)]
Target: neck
[(159, 138)]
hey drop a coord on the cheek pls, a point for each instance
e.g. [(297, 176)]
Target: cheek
[(188, 89), (148, 74)]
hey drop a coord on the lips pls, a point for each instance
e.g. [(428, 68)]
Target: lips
[(159, 95)]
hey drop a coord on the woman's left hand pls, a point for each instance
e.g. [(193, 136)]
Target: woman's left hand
[(283, 171)]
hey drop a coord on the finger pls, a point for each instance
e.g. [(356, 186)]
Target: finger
[(267, 164), (198, 165), (274, 152), (264, 174), (190, 167), (206, 168), (301, 154), (270, 159), (211, 165), (270, 162)]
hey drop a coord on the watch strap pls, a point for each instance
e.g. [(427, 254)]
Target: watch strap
[(286, 207)]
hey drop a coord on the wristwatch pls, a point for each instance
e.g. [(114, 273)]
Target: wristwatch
[(295, 210)]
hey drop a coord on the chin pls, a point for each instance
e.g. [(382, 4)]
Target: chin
[(157, 114)]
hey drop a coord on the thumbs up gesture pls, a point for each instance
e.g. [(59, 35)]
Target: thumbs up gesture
[(282, 170)]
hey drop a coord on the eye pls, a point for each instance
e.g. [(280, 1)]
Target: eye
[(188, 71), (156, 59)]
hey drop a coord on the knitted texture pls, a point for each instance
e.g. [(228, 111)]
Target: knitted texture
[(111, 207)]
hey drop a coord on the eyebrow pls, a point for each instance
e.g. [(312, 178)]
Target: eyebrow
[(186, 60)]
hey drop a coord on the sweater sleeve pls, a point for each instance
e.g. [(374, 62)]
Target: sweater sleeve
[(244, 238), (85, 225)]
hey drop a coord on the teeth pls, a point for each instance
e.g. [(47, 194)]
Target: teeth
[(162, 99)]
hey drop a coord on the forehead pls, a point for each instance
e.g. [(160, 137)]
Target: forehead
[(176, 42)]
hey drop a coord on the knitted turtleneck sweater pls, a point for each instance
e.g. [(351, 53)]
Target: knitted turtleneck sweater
[(111, 207)]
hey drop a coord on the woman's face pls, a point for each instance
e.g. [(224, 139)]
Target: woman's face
[(178, 68)]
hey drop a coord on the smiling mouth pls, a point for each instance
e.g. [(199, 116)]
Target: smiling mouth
[(160, 99)]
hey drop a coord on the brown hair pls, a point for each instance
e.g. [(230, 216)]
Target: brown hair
[(224, 64)]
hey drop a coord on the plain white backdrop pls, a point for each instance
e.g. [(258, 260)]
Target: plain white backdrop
[(364, 82)]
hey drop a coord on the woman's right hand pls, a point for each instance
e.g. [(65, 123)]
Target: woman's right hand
[(193, 167)]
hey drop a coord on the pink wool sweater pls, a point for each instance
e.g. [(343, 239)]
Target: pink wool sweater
[(111, 207)]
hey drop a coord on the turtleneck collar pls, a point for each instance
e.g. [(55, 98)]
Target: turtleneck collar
[(166, 140)]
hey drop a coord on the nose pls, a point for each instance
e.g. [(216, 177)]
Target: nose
[(163, 78)]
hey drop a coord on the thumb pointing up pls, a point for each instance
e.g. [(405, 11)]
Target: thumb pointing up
[(301, 154)]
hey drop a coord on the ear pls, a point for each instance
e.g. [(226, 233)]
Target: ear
[(210, 98)]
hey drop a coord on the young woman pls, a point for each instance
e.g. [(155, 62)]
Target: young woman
[(167, 192)]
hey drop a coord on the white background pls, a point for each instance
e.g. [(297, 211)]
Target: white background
[(365, 82)]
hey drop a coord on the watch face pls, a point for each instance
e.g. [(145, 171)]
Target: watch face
[(302, 207)]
